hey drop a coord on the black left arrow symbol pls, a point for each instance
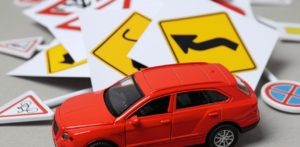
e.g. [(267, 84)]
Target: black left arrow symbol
[(186, 41), (68, 59)]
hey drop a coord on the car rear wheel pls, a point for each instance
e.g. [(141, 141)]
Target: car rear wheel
[(223, 136), (101, 144)]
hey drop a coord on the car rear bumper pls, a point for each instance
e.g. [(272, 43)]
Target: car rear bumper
[(248, 128)]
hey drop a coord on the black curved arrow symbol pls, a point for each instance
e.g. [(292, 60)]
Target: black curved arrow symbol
[(68, 59), (186, 41), (124, 36)]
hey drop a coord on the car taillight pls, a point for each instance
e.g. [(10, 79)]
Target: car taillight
[(254, 108)]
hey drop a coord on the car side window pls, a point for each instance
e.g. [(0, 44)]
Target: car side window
[(157, 106), (196, 98), (218, 97)]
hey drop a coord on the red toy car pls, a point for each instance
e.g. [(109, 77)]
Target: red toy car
[(171, 105)]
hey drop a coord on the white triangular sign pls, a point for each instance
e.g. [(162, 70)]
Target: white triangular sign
[(21, 47), (27, 107), (38, 66)]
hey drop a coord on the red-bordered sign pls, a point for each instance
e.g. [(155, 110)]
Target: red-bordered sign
[(44, 111), (287, 94), (26, 50)]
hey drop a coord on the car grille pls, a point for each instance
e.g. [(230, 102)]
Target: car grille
[(55, 127)]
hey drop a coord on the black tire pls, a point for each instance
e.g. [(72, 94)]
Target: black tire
[(101, 144), (218, 137)]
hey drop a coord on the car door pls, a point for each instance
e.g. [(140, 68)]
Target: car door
[(195, 114), (154, 123)]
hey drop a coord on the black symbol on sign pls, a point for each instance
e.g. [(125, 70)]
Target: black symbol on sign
[(186, 41), (138, 65), (25, 107), (124, 36), (68, 59), (18, 45), (76, 3)]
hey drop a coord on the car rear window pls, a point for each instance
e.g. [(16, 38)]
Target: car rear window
[(241, 85)]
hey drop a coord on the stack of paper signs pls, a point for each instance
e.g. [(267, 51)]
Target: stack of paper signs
[(110, 39)]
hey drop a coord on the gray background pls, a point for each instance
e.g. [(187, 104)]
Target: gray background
[(276, 129)]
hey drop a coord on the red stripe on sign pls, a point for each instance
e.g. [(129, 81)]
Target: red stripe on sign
[(34, 100), (50, 11), (229, 6), (67, 26), (106, 4), (290, 95), (126, 4)]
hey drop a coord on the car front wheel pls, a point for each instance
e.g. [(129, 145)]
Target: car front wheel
[(101, 144), (223, 136)]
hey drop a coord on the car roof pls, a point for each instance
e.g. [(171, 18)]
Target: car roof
[(175, 75)]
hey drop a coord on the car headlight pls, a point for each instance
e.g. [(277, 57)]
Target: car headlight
[(65, 136)]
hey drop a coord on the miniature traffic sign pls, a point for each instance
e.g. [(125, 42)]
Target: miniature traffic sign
[(27, 107), (24, 47), (222, 45), (288, 31), (27, 3), (59, 59), (126, 35), (271, 2), (283, 95), (53, 61), (155, 47)]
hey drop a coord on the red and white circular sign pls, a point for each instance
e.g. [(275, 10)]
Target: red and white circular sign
[(282, 95)]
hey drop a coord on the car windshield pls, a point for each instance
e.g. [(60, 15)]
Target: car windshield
[(122, 95)]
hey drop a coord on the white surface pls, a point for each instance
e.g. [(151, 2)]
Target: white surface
[(23, 48), (259, 39), (95, 31), (289, 109), (37, 67), (24, 109)]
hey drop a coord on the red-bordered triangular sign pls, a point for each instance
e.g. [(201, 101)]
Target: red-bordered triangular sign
[(27, 107), (24, 47), (51, 10), (20, 46)]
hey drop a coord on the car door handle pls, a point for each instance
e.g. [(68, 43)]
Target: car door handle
[(213, 114), (165, 121)]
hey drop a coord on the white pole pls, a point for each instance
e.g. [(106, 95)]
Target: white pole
[(267, 21), (59, 100), (271, 77)]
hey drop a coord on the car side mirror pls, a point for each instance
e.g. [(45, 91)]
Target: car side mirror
[(134, 120)]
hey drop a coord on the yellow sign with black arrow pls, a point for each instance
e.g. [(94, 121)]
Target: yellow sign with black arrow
[(59, 59), (114, 49), (207, 38)]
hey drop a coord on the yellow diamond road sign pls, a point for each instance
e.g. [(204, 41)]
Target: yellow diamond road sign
[(114, 49), (58, 59), (207, 38)]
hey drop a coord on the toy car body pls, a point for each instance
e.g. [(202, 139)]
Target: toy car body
[(171, 105)]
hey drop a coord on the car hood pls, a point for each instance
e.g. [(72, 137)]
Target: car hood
[(85, 110)]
